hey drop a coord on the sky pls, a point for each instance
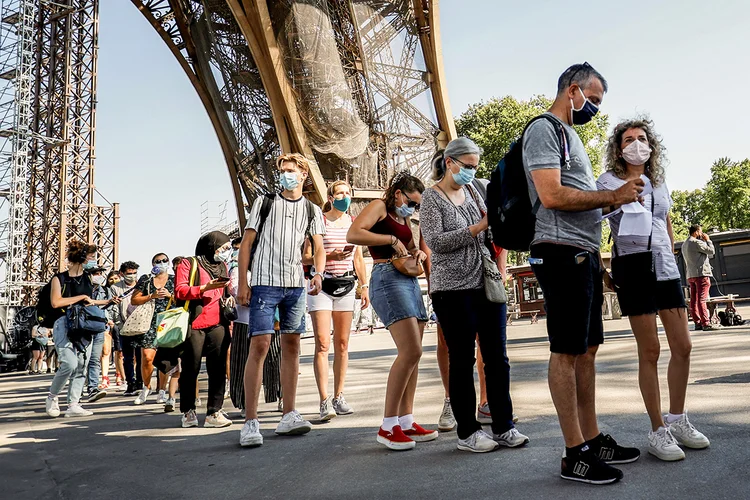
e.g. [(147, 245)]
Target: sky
[(685, 63)]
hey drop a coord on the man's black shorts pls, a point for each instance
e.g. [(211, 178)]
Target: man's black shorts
[(571, 280)]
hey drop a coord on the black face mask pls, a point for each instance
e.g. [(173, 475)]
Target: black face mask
[(586, 113)]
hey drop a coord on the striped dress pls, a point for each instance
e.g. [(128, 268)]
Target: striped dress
[(335, 239)]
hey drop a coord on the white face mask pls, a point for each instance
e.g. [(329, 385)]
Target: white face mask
[(98, 280), (636, 153)]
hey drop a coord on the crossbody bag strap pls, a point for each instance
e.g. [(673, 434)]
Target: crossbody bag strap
[(193, 269), (651, 234)]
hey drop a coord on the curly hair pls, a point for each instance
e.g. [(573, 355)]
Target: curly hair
[(404, 182), (78, 251), (128, 264), (654, 166)]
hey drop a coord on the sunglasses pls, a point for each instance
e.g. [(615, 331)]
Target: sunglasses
[(572, 77), (409, 202), (161, 261)]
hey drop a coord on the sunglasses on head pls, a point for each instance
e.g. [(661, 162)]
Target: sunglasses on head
[(409, 202), (161, 261)]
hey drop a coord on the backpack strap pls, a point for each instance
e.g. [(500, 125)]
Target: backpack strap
[(265, 210), (310, 218), (565, 150)]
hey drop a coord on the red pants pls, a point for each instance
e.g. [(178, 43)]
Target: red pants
[(699, 288)]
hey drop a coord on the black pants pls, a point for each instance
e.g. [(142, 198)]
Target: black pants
[(212, 343), (464, 314), (238, 360), (133, 375)]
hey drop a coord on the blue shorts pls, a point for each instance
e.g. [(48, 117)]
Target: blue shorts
[(291, 309), (395, 296)]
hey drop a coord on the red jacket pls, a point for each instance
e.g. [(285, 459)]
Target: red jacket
[(210, 316)]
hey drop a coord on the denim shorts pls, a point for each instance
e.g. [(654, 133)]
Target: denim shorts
[(395, 296), (263, 304)]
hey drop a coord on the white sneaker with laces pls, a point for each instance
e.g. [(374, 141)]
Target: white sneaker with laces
[(326, 410), (250, 434), (76, 410), (52, 407), (142, 397), (218, 419), (293, 424), (161, 398), (341, 406), (190, 419), (479, 442), (687, 435), (663, 445), (511, 438), (447, 421), (169, 405)]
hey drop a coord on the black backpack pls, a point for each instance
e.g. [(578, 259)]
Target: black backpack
[(265, 209), (46, 315), (509, 211)]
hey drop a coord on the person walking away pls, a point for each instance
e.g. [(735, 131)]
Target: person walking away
[(158, 286), (39, 339), (454, 224), (94, 371), (697, 250), (209, 328), (385, 227), (131, 354), (73, 286), (344, 264), (565, 259), (277, 280), (634, 150)]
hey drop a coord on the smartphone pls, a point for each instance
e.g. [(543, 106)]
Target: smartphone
[(581, 257), (348, 248), (222, 280)]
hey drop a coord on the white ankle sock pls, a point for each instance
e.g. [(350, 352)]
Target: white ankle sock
[(672, 418), (406, 422), (389, 423)]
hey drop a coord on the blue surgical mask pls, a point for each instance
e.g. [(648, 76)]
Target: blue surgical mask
[(586, 113), (288, 180), (235, 254), (224, 256), (342, 205), (464, 176), (404, 211), (89, 265), (162, 267)]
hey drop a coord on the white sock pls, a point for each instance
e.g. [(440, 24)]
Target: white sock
[(389, 423), (406, 422), (672, 418)]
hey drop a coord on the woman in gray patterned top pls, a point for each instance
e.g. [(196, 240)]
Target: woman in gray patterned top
[(647, 282), (454, 224)]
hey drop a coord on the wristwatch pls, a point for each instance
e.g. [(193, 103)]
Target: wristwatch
[(314, 274)]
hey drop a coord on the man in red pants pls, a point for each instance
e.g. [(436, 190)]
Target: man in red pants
[(697, 251)]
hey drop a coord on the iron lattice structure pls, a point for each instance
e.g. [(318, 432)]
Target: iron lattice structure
[(357, 86), (49, 61)]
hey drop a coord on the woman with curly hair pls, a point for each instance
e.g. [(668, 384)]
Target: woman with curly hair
[(385, 227), (647, 282)]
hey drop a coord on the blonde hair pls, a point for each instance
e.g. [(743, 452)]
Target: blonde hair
[(295, 158), (654, 168)]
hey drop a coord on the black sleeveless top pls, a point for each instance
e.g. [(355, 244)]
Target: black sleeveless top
[(79, 285)]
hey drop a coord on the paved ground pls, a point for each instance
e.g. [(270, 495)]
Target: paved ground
[(138, 452)]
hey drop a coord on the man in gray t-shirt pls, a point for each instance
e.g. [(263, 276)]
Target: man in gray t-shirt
[(565, 259)]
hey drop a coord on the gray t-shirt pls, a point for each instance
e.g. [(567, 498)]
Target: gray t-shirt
[(542, 149)]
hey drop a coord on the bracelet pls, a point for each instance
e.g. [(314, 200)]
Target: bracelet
[(394, 240), (366, 285)]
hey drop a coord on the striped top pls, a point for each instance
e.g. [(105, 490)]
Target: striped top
[(278, 257), (335, 239), (661, 246)]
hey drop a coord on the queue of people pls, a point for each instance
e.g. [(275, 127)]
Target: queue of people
[(293, 257)]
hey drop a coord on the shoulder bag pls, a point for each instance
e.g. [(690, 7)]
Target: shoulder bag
[(494, 286), (635, 271), (139, 322), (172, 325), (408, 265)]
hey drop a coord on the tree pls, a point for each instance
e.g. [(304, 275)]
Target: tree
[(687, 209), (726, 200)]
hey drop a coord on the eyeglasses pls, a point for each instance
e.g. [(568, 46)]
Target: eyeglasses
[(465, 165), (161, 261), (410, 203)]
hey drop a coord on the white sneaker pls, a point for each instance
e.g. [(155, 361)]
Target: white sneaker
[(511, 438), (484, 416), (218, 419), (663, 445), (326, 410), (250, 434), (479, 442), (198, 402), (169, 405), (78, 411), (687, 435), (293, 424), (142, 397), (447, 421), (190, 419), (161, 398), (53, 408)]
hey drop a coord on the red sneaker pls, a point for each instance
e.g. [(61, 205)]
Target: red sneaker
[(396, 439), (420, 434)]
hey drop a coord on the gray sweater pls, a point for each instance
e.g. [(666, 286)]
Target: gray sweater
[(696, 253), (456, 259)]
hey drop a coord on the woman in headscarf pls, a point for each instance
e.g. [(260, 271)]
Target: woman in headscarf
[(209, 329)]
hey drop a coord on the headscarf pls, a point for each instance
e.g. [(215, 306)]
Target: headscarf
[(205, 251)]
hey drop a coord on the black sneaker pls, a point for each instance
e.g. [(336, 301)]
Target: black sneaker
[(607, 449), (698, 327), (95, 395), (130, 391), (587, 468)]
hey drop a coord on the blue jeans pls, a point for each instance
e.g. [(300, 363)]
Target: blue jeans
[(72, 364), (263, 304), (395, 296), (95, 363)]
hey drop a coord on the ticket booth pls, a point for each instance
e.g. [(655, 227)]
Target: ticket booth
[(527, 292)]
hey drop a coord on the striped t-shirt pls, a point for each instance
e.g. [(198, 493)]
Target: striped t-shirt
[(335, 239), (278, 257)]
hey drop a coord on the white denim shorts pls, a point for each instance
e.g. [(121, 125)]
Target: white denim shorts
[(324, 302)]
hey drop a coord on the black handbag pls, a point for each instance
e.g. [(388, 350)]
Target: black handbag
[(636, 270), (338, 286), (228, 307)]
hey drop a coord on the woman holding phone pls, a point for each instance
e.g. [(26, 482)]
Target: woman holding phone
[(344, 265)]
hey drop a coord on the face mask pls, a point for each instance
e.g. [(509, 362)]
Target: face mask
[(224, 256), (586, 112), (89, 265), (343, 204), (235, 254), (636, 153), (130, 279), (288, 180), (404, 211), (464, 176), (160, 268), (98, 280)]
